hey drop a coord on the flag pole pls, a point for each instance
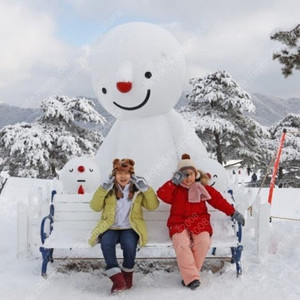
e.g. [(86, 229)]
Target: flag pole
[(276, 164)]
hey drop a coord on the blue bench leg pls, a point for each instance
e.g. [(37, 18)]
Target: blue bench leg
[(46, 258), (51, 256), (213, 251), (236, 258)]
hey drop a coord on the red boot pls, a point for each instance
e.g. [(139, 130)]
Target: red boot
[(128, 277), (117, 278)]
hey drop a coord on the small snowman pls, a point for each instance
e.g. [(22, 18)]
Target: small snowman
[(80, 175), (138, 74)]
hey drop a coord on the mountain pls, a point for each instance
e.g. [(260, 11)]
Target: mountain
[(13, 114), (272, 109), (269, 110)]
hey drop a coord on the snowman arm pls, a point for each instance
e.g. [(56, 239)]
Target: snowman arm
[(219, 202), (165, 192), (150, 201), (97, 202)]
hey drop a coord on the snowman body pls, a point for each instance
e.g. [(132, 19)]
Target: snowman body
[(138, 74), (155, 143)]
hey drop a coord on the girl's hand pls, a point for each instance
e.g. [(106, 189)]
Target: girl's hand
[(178, 177), (108, 183), (238, 217), (140, 183)]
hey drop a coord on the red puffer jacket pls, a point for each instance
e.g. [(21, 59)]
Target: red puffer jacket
[(193, 216)]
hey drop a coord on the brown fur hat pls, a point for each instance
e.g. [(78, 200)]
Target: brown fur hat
[(125, 164)]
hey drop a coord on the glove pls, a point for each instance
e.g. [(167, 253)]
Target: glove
[(238, 217), (108, 183), (140, 183), (178, 177)]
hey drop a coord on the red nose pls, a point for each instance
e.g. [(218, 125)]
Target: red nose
[(124, 87), (81, 169)]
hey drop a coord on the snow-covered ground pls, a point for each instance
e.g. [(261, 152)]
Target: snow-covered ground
[(275, 276)]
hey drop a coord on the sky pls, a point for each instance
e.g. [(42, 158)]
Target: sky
[(45, 45)]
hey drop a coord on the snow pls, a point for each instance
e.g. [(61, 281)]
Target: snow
[(274, 276)]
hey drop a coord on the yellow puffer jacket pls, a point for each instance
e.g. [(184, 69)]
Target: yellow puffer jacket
[(107, 201)]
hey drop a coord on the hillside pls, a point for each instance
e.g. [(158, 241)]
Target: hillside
[(268, 111), (271, 109)]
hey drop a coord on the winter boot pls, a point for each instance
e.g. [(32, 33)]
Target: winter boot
[(192, 285), (128, 273), (117, 278)]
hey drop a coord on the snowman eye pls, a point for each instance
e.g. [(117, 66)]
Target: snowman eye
[(104, 91), (91, 170), (215, 176), (148, 74), (71, 170)]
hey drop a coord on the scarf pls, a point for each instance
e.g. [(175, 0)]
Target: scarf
[(196, 192)]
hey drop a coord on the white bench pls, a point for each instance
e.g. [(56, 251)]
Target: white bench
[(69, 225)]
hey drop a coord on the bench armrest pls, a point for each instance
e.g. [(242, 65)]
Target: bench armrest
[(238, 230), (45, 235)]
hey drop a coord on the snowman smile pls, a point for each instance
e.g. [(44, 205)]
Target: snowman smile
[(135, 107)]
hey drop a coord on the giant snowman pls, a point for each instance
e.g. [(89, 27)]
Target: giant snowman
[(138, 74)]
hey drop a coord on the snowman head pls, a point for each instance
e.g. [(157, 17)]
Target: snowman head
[(80, 175), (216, 172), (138, 70)]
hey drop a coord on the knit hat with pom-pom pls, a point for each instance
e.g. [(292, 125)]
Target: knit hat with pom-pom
[(187, 163)]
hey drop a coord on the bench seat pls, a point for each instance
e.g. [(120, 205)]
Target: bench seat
[(69, 225)]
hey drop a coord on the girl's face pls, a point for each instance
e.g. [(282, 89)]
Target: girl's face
[(123, 178), (190, 178)]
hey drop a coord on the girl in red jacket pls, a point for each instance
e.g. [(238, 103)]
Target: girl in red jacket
[(189, 222)]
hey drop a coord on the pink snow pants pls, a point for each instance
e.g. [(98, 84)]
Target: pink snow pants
[(190, 250)]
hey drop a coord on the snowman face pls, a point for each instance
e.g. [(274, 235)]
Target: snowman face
[(217, 173), (80, 175), (138, 71)]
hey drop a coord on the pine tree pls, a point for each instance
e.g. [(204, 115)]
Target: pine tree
[(38, 149), (289, 168), (289, 56), (215, 110)]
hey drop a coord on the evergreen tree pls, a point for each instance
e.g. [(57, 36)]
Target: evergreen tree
[(38, 149), (289, 56), (289, 168), (215, 110)]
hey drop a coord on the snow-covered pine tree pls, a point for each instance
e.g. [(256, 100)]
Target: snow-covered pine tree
[(289, 56), (215, 110), (289, 167), (41, 148)]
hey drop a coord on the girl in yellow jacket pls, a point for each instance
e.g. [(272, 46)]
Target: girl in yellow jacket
[(121, 198)]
